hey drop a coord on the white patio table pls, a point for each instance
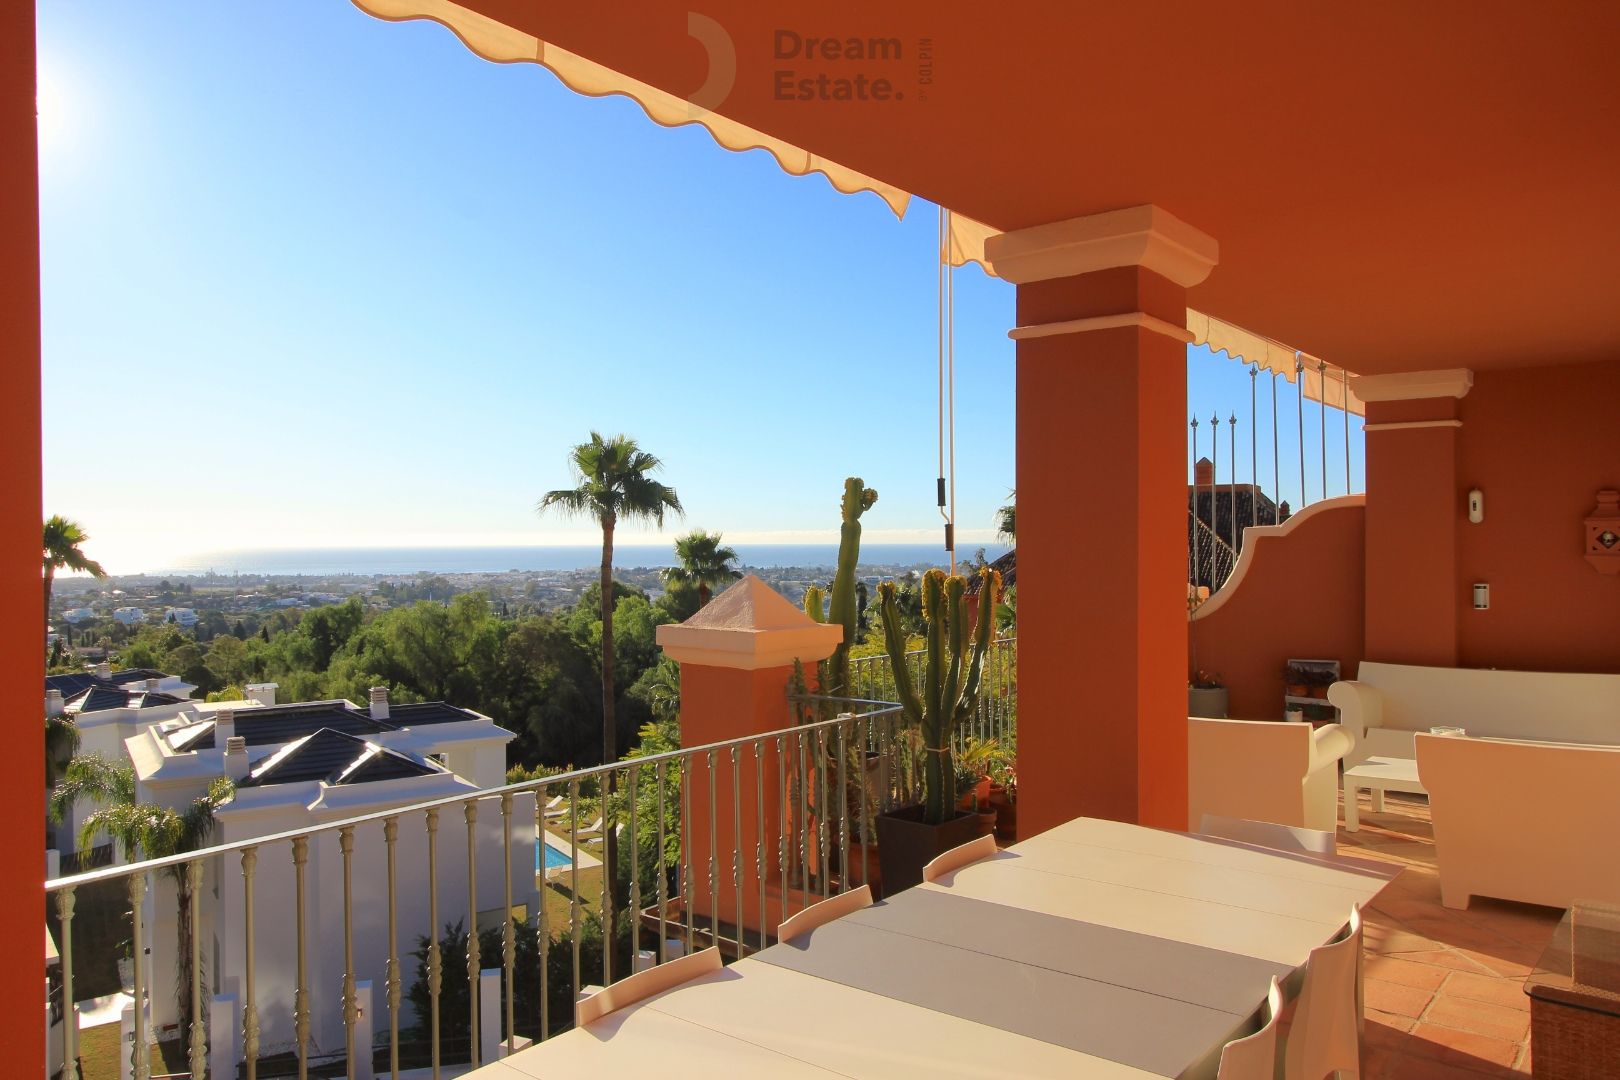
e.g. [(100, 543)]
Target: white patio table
[(1097, 949)]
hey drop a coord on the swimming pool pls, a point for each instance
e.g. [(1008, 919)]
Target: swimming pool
[(554, 858)]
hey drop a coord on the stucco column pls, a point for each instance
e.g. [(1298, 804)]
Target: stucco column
[(1102, 560), (736, 657), (22, 902), (1415, 507)]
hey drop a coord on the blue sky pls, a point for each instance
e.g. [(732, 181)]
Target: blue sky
[(311, 279)]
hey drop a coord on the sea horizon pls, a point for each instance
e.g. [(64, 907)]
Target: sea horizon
[(371, 562)]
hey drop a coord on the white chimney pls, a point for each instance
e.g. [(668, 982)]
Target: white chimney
[(224, 727), (236, 759), (152, 685), (379, 702), (104, 670), (53, 703), (263, 692)]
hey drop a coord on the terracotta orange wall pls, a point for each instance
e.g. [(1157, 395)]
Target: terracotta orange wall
[(22, 901), (718, 704), (1539, 443), (1300, 597), (1103, 729), (1414, 510)]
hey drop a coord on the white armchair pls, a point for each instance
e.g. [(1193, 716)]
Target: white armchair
[(1264, 771)]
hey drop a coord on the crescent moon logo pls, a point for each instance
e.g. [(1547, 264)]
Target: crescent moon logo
[(722, 54)]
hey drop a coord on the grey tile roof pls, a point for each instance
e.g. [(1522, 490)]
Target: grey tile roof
[(102, 698), (428, 712), (337, 758), (71, 685), (272, 724)]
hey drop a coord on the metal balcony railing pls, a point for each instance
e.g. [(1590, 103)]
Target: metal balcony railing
[(996, 714), (709, 845)]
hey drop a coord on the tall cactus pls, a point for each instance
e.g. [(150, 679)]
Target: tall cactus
[(844, 609), (950, 689)]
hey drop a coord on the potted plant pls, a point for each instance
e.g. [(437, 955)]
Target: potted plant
[(970, 798), (911, 836), (1006, 807), (974, 761), (1004, 787), (1317, 681), (1206, 695)]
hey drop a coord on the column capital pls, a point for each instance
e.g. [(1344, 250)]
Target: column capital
[(749, 627), (1144, 236), (1413, 385)]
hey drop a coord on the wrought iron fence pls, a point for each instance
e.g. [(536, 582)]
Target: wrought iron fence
[(715, 844), (1238, 480), (996, 713)]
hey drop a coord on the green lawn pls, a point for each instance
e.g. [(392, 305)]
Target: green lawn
[(98, 1054), (558, 898)]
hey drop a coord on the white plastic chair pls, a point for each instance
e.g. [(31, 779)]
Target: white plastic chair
[(981, 847), (644, 984), (1325, 1036), (1254, 1057), (593, 827), (1265, 834), (555, 807), (824, 912)]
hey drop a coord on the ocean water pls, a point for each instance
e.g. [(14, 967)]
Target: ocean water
[(371, 561)]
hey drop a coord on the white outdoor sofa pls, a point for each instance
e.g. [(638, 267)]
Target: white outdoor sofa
[(1388, 704), (1264, 771), (1527, 821)]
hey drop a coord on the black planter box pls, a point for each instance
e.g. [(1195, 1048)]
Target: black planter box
[(906, 843)]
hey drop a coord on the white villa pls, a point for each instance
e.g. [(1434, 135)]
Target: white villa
[(109, 707), (302, 765), (129, 616), (181, 616)]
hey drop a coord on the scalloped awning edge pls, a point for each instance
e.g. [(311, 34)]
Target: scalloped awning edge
[(501, 44)]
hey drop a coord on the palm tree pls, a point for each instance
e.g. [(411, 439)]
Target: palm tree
[(145, 831), (62, 540), (1007, 519), (61, 743), (613, 485), (705, 563), (91, 777)]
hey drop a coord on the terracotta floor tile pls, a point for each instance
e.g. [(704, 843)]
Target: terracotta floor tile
[(1387, 1030), (1467, 966), (1375, 1062), (1524, 923), (1508, 993), (1459, 934), (1387, 940), (1397, 969), (1480, 1018), (1398, 999), (1410, 1067), (1468, 1049), (1450, 959), (1514, 963)]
